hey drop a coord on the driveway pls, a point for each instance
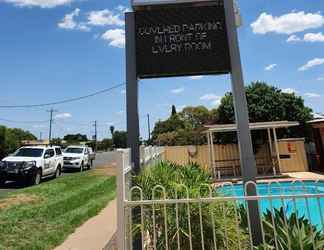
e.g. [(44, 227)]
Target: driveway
[(102, 160)]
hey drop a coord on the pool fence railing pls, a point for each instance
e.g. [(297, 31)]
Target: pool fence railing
[(215, 216)]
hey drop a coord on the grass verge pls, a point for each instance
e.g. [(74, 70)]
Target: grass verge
[(41, 217)]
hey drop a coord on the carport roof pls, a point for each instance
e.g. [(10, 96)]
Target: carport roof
[(253, 126)]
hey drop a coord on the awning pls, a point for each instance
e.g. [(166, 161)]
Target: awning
[(253, 126)]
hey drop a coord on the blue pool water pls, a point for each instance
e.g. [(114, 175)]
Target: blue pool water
[(315, 205)]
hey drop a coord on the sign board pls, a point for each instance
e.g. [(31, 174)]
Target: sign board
[(136, 3), (181, 41)]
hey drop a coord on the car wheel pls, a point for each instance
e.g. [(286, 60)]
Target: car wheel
[(37, 178), (2, 182), (58, 172)]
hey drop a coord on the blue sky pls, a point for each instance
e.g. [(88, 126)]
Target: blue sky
[(56, 49)]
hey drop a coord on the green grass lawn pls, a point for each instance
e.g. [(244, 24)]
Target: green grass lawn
[(41, 217)]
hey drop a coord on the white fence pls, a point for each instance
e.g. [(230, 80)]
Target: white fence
[(148, 155), (217, 216)]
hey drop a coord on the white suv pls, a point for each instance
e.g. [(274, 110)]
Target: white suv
[(31, 164), (77, 157)]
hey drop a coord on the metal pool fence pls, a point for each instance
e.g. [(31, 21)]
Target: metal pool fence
[(216, 217)]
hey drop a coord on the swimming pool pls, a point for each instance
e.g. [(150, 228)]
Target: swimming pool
[(299, 205)]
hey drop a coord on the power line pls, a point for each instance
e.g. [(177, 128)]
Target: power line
[(63, 101), (14, 121)]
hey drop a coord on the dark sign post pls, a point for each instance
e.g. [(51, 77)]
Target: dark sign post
[(242, 120), (196, 38)]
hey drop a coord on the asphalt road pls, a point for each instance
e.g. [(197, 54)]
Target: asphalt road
[(102, 159)]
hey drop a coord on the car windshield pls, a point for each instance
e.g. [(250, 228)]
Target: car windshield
[(74, 150), (29, 152)]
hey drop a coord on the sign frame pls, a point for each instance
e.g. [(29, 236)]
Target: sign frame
[(247, 159)]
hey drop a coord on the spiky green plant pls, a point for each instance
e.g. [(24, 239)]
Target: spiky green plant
[(217, 220), (283, 232)]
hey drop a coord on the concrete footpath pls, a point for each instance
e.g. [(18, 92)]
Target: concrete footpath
[(95, 233)]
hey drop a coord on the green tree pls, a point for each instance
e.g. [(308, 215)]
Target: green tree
[(120, 139), (11, 139), (75, 138), (56, 141), (112, 130), (173, 110), (267, 103), (2, 142), (195, 117), (105, 144), (182, 128)]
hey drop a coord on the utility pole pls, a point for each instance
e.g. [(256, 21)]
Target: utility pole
[(51, 111), (149, 127), (95, 137)]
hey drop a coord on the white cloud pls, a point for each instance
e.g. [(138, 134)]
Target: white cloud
[(69, 23), (122, 9), (270, 67), (177, 91), (104, 17), (195, 77), (287, 24), (312, 63), (209, 97), (314, 37), (214, 100), (289, 91), (309, 37), (63, 116), (312, 95), (320, 79), (293, 38), (39, 3), (115, 37)]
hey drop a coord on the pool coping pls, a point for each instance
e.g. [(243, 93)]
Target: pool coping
[(285, 177)]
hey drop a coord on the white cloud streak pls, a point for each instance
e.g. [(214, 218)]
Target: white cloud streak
[(177, 91), (293, 38), (115, 37), (270, 67), (309, 37), (69, 23), (312, 95), (63, 116), (105, 17), (38, 3), (214, 100), (288, 23), (312, 63), (289, 91)]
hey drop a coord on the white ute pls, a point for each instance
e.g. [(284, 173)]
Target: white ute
[(77, 157), (32, 163)]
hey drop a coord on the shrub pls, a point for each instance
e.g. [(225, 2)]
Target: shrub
[(293, 232), (218, 218)]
